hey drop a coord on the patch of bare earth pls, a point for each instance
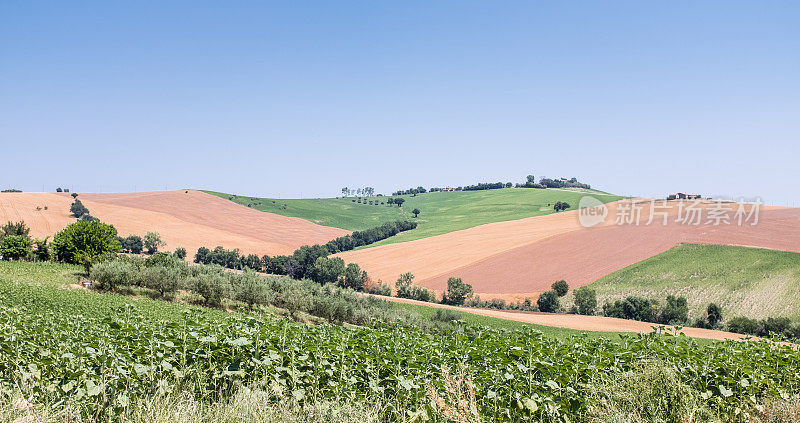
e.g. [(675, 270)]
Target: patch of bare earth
[(184, 219), (518, 259)]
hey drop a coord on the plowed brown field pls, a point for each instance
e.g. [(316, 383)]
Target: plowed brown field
[(518, 259), (188, 220)]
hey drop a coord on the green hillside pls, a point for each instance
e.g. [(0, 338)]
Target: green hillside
[(442, 212), (751, 282)]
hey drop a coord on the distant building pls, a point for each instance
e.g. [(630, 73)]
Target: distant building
[(685, 196)]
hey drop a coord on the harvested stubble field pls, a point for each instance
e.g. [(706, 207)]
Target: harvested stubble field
[(188, 219)]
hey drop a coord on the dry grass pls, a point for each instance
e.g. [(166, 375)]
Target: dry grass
[(458, 403), (248, 405), (781, 411)]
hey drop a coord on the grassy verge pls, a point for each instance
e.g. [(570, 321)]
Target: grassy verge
[(548, 331)]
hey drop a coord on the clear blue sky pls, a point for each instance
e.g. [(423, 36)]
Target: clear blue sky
[(302, 98)]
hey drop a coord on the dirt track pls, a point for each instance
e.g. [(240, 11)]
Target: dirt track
[(189, 220), (518, 259), (577, 322)]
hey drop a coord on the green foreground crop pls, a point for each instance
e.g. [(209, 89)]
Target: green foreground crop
[(102, 351)]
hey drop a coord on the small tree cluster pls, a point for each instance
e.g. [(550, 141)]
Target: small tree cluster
[(77, 209), (548, 302), (457, 292), (17, 244), (405, 288), (411, 191), (369, 236), (560, 205), (132, 244), (585, 300), (674, 312), (769, 327)]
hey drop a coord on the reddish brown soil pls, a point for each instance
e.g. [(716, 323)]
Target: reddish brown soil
[(577, 322), (519, 259), (188, 220)]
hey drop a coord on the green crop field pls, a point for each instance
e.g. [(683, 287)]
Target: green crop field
[(751, 282), (101, 354), (442, 212)]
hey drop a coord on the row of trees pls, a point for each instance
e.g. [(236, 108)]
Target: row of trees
[(485, 186), (166, 276), (366, 191), (530, 182), (134, 244), (476, 187), (585, 299), (410, 191), (675, 310), (389, 201), (11, 190)]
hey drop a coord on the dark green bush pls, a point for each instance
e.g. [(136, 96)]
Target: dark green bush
[(457, 291), (180, 253), (675, 311), (585, 300), (548, 302), (380, 289), (212, 287), (111, 275), (15, 247), (85, 242), (633, 308), (560, 287), (164, 280)]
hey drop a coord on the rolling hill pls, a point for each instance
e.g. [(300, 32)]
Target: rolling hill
[(752, 282), (442, 212), (188, 219), (518, 259)]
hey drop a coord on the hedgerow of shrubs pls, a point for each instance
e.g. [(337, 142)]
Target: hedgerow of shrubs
[(303, 261), (674, 312), (769, 327), (216, 287)]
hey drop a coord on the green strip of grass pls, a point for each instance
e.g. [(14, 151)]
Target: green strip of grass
[(442, 212), (548, 331)]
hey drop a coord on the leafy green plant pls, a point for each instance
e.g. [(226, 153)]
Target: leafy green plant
[(96, 352), (457, 291), (85, 242), (585, 300), (212, 287), (152, 240), (15, 247), (111, 275), (560, 287), (548, 302)]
